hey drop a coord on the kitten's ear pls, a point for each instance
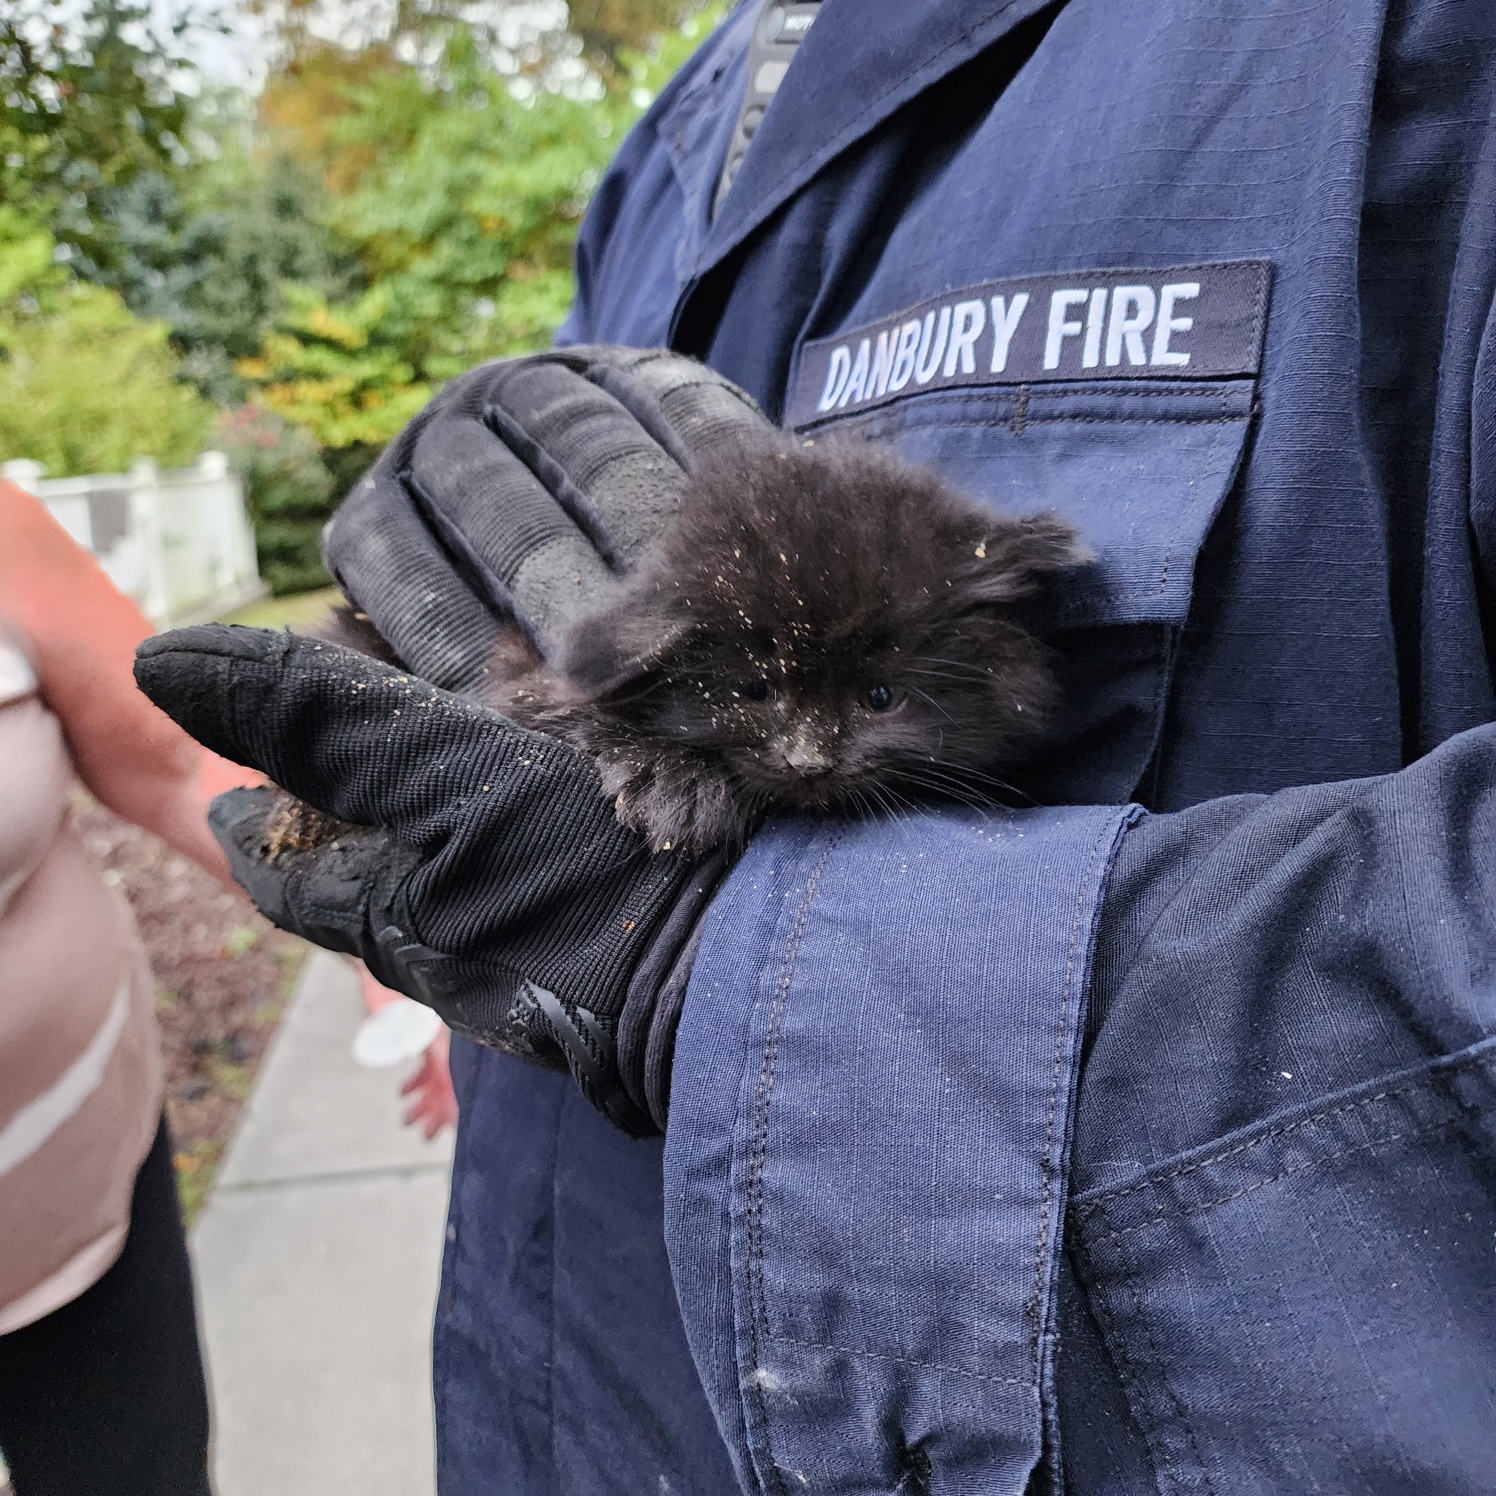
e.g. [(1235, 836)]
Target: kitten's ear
[(616, 648), (1014, 558)]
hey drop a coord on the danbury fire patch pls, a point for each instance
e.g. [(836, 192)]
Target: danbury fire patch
[(1184, 321)]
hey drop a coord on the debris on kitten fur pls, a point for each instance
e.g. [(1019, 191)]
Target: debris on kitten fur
[(822, 630)]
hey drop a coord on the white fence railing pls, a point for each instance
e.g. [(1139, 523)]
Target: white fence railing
[(178, 542)]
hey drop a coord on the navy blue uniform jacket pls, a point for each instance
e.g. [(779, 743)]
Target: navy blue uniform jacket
[(1142, 1140)]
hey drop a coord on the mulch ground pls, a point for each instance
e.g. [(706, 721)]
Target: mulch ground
[(223, 974)]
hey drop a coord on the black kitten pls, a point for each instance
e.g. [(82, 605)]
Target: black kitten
[(822, 630)]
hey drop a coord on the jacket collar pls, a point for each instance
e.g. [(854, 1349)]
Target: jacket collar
[(867, 59)]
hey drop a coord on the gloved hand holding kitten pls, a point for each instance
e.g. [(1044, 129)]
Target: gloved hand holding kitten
[(615, 548), (494, 882)]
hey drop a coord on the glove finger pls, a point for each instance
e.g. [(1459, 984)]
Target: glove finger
[(519, 491), (240, 820), (620, 428), (534, 545), (357, 739), (543, 495), (467, 521), (334, 895), (625, 426), (705, 413), (388, 562), (630, 481)]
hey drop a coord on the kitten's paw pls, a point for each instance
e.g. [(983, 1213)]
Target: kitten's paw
[(676, 806)]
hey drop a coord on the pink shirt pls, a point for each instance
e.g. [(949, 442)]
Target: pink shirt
[(80, 1072)]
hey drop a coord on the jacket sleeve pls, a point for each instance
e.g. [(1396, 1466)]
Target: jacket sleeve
[(869, 1124), (873, 1134)]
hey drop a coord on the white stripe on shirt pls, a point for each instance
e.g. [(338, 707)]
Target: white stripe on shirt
[(30, 1128)]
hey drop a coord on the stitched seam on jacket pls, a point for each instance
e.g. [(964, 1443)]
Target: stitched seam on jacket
[(847, 1350), (1022, 397), (1309, 1168), (1132, 1382), (763, 1095), (1017, 421), (1184, 418), (551, 1361), (1417, 1083), (1111, 387), (1161, 1376), (1033, 1309)]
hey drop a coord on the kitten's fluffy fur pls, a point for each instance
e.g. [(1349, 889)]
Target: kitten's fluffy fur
[(823, 630)]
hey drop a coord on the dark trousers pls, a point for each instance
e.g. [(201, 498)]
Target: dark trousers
[(106, 1396)]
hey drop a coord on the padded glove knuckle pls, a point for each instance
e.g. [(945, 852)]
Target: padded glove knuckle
[(519, 492)]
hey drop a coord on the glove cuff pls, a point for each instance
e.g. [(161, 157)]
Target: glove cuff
[(657, 993), (589, 1046)]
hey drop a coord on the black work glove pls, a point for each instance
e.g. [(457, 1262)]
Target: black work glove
[(519, 492), (493, 883)]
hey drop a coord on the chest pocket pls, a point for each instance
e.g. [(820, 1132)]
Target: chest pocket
[(1141, 470)]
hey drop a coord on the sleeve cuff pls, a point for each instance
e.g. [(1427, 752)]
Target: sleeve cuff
[(869, 1138)]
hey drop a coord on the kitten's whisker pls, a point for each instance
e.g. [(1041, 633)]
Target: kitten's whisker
[(890, 800), (970, 666), (952, 666), (948, 778), (965, 682), (864, 796), (967, 772), (931, 775), (934, 775), (925, 696), (951, 795), (1017, 793)]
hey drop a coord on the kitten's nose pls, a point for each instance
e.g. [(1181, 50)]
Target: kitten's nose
[(807, 758)]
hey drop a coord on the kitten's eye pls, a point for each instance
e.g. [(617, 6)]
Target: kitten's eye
[(754, 690), (879, 698)]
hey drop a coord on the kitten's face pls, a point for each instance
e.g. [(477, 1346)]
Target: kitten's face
[(853, 718), (832, 633)]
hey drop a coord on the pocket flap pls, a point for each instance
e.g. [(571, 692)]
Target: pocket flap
[(1140, 470)]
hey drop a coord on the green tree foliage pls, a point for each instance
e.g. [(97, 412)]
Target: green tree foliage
[(212, 255), (95, 96), (69, 351), (470, 186), (315, 34), (611, 31), (401, 206), (148, 182), (160, 250), (272, 235), (29, 273)]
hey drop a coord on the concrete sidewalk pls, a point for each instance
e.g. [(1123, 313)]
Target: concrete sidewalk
[(318, 1255)]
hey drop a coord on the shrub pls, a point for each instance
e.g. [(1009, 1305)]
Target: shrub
[(87, 388), (288, 490)]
